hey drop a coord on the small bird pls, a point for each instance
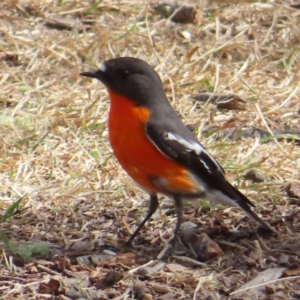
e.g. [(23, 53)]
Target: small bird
[(153, 145)]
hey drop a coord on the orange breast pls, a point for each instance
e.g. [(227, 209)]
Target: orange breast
[(136, 153)]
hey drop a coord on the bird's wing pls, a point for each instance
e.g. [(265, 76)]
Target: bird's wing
[(180, 145)]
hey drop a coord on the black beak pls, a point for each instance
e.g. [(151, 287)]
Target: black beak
[(96, 74)]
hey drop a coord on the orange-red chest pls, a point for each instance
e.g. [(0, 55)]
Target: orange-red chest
[(135, 152)]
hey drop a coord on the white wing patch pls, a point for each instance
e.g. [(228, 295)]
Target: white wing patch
[(189, 145), (193, 146)]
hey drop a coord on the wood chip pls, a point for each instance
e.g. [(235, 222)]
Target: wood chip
[(293, 190), (254, 176), (185, 14), (63, 23)]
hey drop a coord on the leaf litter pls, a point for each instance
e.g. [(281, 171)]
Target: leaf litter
[(64, 239)]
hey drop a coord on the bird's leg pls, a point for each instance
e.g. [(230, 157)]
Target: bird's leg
[(152, 209), (179, 212)]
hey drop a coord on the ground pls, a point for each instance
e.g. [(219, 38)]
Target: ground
[(67, 207)]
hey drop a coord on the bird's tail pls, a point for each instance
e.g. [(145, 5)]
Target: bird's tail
[(244, 203)]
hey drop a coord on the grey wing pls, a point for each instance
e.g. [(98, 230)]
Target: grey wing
[(189, 153)]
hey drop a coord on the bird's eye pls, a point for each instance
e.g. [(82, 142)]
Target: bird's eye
[(123, 74)]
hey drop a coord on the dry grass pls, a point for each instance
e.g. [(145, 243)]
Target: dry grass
[(55, 151)]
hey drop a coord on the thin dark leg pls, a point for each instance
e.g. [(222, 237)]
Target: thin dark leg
[(179, 211), (152, 209)]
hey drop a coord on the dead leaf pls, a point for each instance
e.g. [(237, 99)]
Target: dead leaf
[(78, 247), (50, 287), (283, 260), (109, 280), (61, 263), (200, 242), (292, 272), (256, 286), (270, 288), (126, 259), (174, 268), (159, 287), (102, 260), (149, 270), (140, 290)]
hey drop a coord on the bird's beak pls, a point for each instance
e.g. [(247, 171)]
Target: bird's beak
[(96, 74), (99, 74)]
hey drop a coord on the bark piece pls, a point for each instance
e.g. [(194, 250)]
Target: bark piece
[(293, 190)]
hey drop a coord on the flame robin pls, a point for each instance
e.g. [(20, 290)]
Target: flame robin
[(154, 147)]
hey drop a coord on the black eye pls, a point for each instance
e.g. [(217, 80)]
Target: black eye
[(123, 74)]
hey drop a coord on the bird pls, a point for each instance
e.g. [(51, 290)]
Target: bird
[(155, 148)]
